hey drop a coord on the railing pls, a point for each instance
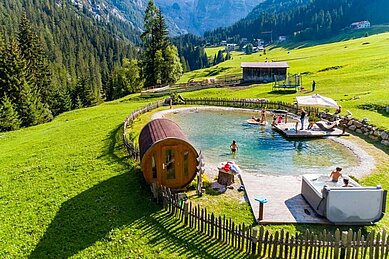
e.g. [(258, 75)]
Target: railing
[(250, 104), (279, 244), (133, 150), (192, 86)]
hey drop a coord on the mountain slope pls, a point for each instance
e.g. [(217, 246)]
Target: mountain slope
[(130, 13), (317, 19), (79, 47), (274, 6), (198, 16)]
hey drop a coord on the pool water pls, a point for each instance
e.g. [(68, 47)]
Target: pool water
[(261, 149)]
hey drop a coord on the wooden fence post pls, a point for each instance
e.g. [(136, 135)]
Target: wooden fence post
[(186, 213), (254, 241), (337, 244)]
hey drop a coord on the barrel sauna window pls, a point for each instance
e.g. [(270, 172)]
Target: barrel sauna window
[(186, 163), (153, 166), (170, 164)]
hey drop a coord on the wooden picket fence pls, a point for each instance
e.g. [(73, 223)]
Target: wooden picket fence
[(279, 244)]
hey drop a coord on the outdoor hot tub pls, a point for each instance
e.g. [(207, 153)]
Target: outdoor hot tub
[(343, 205)]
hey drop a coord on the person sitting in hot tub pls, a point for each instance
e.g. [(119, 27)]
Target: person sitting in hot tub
[(335, 175), (345, 183)]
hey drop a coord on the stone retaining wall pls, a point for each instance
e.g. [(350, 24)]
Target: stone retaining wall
[(351, 124)]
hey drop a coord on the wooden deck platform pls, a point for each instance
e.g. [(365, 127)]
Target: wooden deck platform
[(285, 202), (289, 130)]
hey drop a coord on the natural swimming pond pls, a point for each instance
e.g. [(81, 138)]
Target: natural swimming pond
[(261, 149)]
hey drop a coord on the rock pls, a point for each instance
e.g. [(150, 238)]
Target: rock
[(359, 131), (377, 133), (371, 132), (385, 142), (350, 122), (384, 135), (369, 127), (373, 137), (352, 127), (366, 134), (358, 124)]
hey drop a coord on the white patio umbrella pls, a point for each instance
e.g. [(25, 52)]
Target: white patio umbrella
[(316, 100)]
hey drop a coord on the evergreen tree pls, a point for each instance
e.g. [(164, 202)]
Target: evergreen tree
[(33, 53), (9, 118), (249, 49), (228, 56), (150, 45), (160, 58), (18, 86), (220, 57), (62, 101), (78, 103), (184, 64)]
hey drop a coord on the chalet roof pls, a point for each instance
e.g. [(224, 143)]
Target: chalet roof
[(265, 64), (157, 130), (360, 22)]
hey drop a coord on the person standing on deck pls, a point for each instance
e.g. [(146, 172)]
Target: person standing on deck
[(302, 118)]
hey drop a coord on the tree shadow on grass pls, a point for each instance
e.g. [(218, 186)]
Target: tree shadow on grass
[(91, 215), (122, 200), (116, 151), (283, 92), (170, 235)]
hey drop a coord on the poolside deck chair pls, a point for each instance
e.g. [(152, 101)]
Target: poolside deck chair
[(325, 126)]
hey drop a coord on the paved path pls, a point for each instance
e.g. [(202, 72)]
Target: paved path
[(285, 203)]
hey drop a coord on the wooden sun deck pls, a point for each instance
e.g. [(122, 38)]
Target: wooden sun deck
[(289, 130), (285, 202)]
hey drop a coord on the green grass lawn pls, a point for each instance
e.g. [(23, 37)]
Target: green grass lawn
[(67, 188), (354, 72), (211, 52)]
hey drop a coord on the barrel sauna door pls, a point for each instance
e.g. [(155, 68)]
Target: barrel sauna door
[(172, 173)]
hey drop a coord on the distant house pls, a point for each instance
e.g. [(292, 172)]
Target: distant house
[(360, 25), (260, 42), (231, 47), (264, 72), (243, 40), (223, 43), (281, 38)]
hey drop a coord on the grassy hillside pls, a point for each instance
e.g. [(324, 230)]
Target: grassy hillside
[(353, 72), (68, 189)]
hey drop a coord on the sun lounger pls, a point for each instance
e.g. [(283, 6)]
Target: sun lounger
[(325, 126)]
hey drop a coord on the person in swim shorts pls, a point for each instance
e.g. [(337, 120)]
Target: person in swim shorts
[(336, 174)]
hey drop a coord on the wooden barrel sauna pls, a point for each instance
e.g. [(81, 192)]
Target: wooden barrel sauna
[(167, 158)]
